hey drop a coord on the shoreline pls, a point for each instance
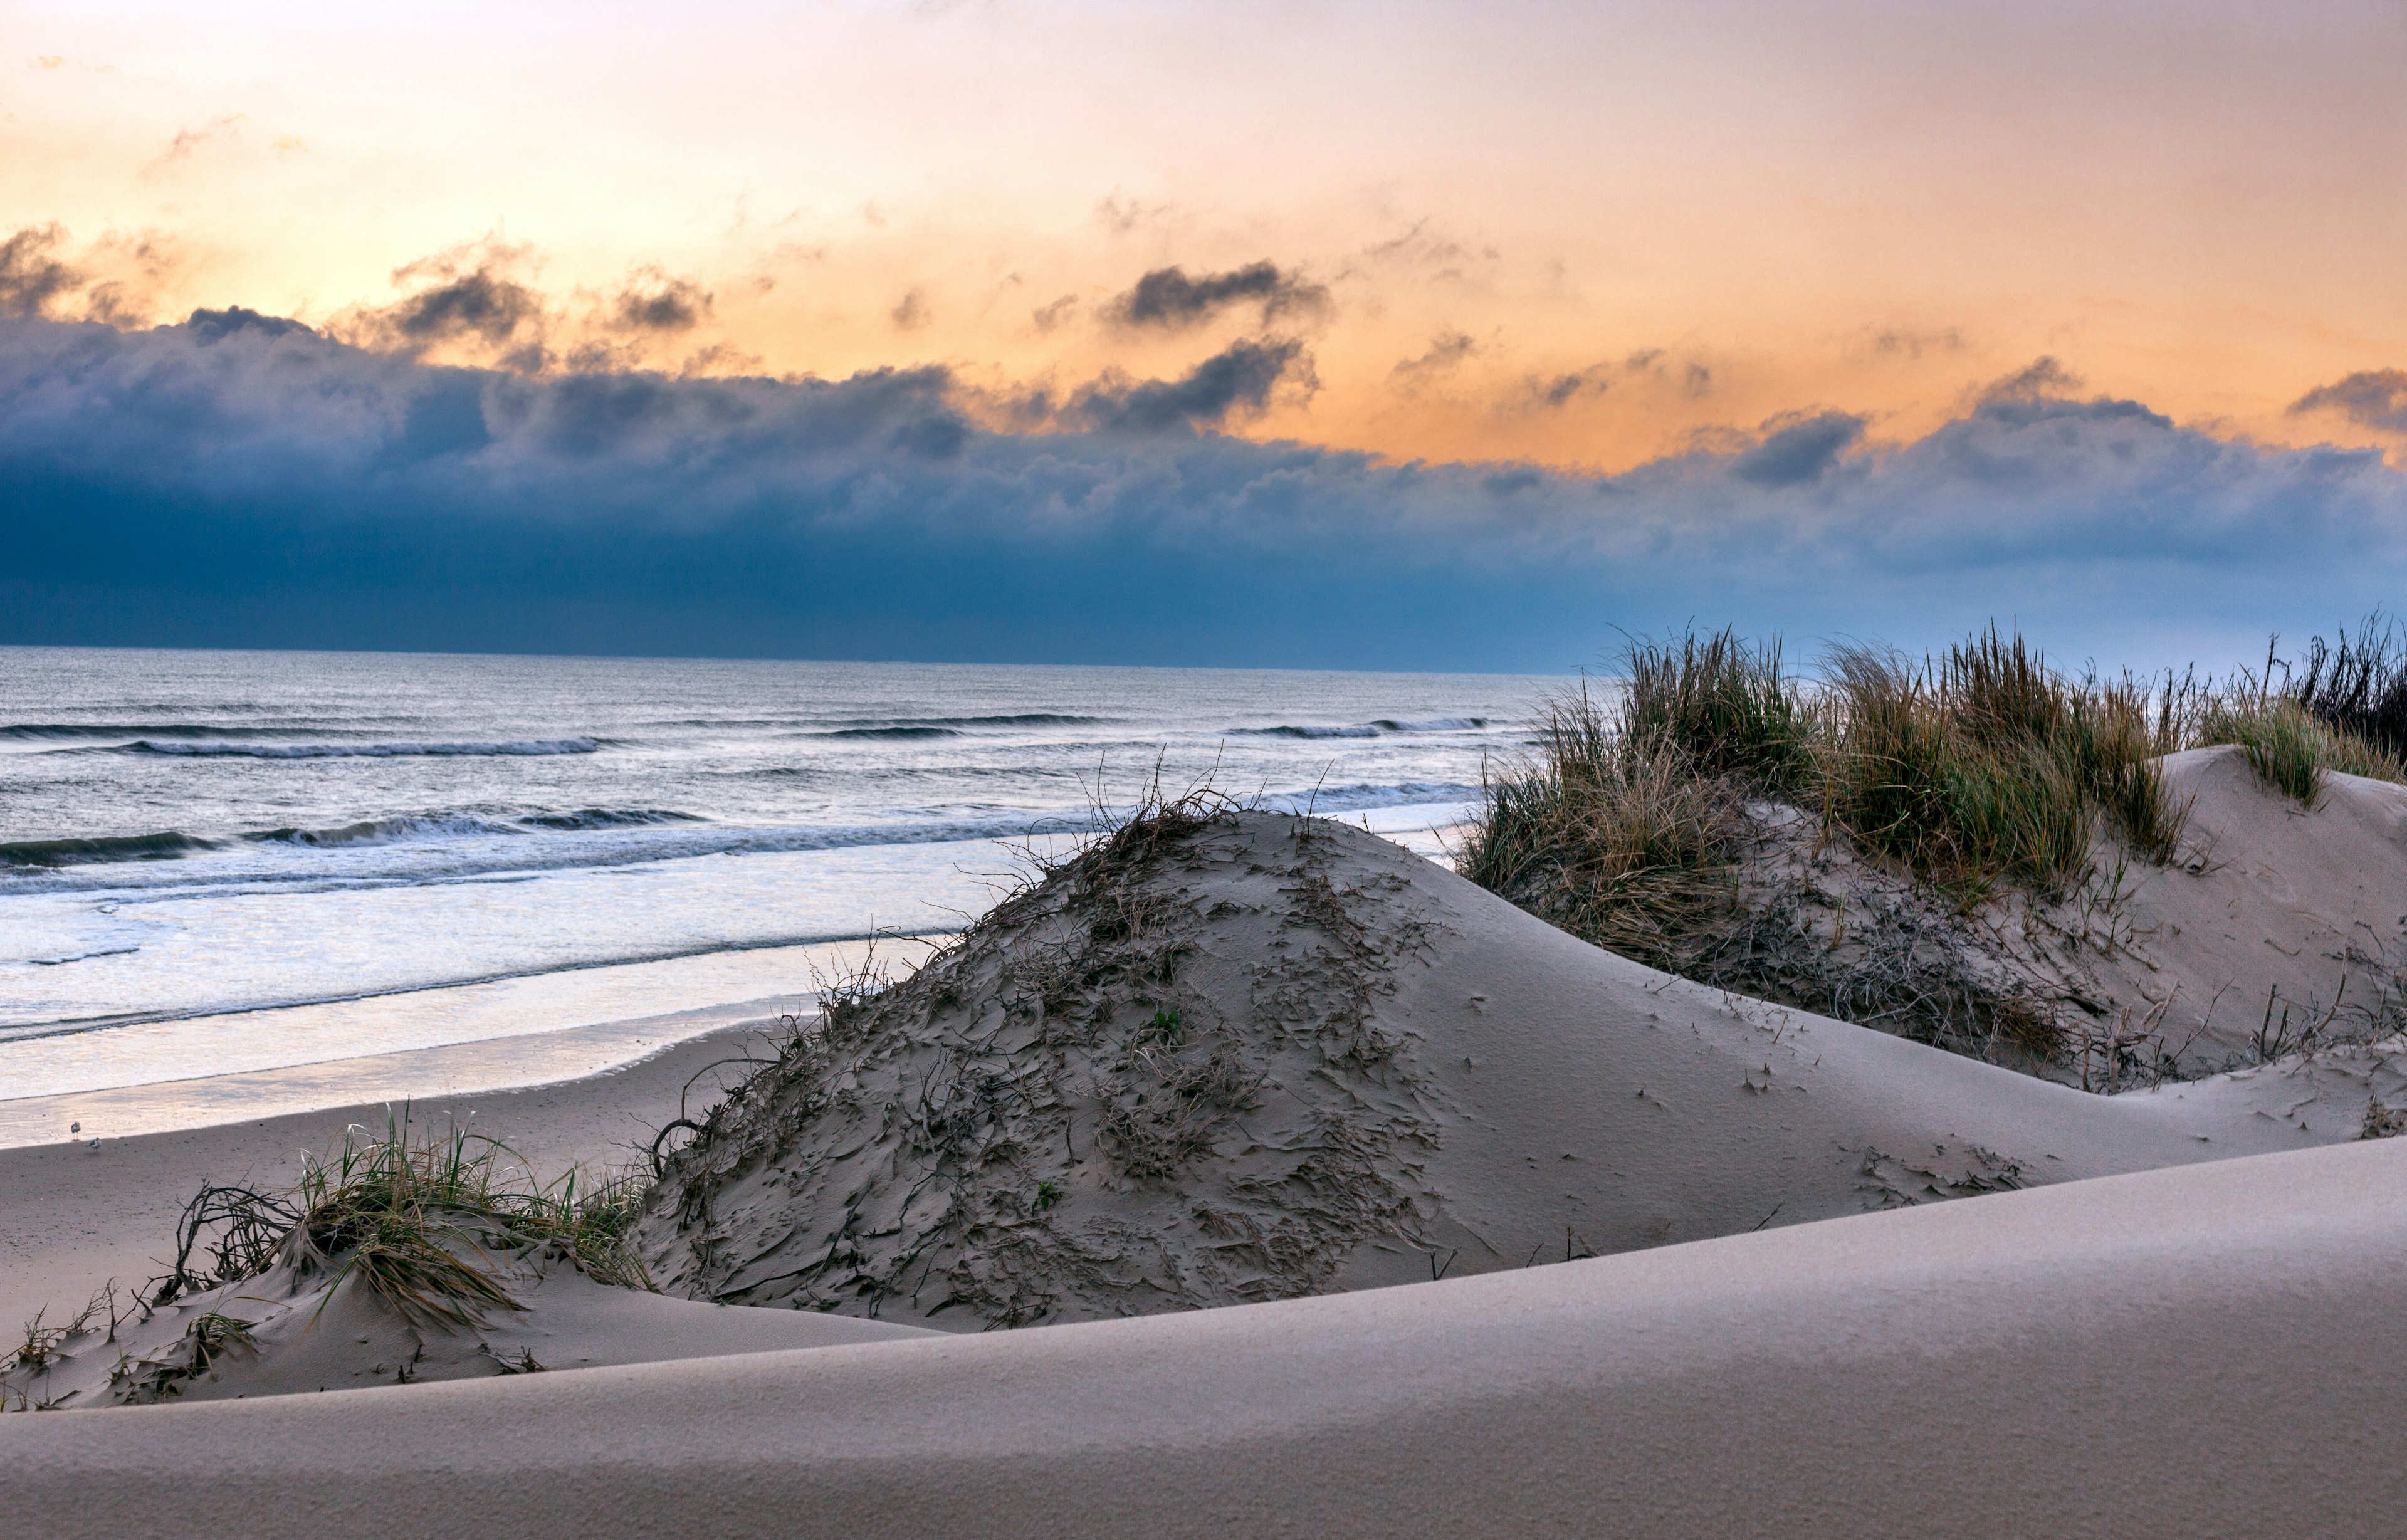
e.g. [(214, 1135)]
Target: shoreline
[(523, 1061)]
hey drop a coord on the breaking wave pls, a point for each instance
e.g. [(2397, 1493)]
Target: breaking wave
[(886, 732), (380, 832), (607, 818), (358, 751), (1379, 728), (76, 852)]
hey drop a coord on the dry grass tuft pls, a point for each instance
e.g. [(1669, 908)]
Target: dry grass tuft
[(415, 1221), (1613, 831), (2358, 687), (2289, 745), (1980, 765), (1985, 764)]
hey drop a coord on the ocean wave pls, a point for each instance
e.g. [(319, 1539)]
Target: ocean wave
[(1021, 718), (1365, 796), (942, 726), (381, 831), (607, 818), (83, 957), (82, 732), (888, 733), (1364, 731), (465, 848), (166, 846), (1377, 728), (358, 751), (417, 850)]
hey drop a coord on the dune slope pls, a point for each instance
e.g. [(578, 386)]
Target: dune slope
[(2280, 925), (1255, 1056)]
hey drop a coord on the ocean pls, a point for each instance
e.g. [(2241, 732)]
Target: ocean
[(223, 863)]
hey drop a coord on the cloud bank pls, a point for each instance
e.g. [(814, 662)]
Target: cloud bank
[(238, 480)]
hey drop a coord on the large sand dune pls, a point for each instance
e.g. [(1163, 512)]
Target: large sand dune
[(1379, 1073)]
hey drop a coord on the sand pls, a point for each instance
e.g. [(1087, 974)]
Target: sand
[(2169, 1311), (2275, 919), (2207, 1350)]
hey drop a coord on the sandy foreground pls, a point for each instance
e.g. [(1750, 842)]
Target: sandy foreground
[(2177, 1311), (2209, 1349)]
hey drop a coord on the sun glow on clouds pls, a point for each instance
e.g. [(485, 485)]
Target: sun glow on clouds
[(1579, 236)]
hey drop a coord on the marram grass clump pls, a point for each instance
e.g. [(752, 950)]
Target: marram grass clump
[(2290, 747), (414, 1219), (1985, 763), (1639, 820), (1981, 765)]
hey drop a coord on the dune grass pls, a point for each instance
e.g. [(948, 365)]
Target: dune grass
[(1619, 831), (1981, 765), (2357, 688), (1630, 822), (1985, 764), (414, 1218), (2292, 744)]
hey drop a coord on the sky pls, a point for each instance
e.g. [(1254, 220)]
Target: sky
[(1409, 334)]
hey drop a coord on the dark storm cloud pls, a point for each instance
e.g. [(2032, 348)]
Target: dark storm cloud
[(237, 480), (2043, 378), (2373, 398), (32, 276), (1446, 351), (1554, 393), (1798, 449), (216, 325), (651, 301), (1169, 299), (481, 304), (1235, 381)]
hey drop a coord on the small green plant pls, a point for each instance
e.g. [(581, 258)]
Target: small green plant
[(1047, 1194), (1165, 1027)]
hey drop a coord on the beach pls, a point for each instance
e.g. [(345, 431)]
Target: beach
[(1249, 1169)]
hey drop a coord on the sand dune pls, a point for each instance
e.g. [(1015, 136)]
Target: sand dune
[(2209, 1349), (1380, 1074), (2276, 919)]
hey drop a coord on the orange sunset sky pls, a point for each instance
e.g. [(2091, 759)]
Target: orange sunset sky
[(1585, 235)]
